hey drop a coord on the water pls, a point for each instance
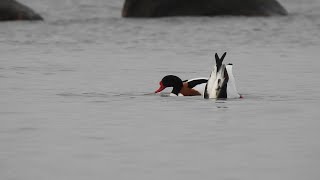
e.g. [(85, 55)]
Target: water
[(74, 100)]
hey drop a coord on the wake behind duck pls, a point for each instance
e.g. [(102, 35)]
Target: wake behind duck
[(220, 84)]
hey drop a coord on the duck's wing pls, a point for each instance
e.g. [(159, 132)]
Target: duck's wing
[(198, 84), (196, 81)]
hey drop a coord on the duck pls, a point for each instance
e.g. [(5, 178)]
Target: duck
[(191, 87), (221, 83)]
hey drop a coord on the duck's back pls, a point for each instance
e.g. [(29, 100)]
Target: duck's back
[(197, 84)]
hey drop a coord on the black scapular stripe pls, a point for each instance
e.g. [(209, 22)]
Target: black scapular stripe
[(193, 83)]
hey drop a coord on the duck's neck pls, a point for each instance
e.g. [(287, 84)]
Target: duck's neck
[(176, 90), (177, 85)]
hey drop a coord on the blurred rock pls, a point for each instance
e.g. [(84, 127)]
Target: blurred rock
[(11, 10), (161, 8)]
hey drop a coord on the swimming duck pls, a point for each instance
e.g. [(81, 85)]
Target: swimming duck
[(191, 87)]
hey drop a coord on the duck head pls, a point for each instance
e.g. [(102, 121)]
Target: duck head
[(170, 81)]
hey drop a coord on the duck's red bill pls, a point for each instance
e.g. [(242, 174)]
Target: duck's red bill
[(161, 88)]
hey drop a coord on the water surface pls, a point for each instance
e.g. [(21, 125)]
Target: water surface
[(75, 102)]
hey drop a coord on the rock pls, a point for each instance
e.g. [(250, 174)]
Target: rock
[(161, 8), (11, 10)]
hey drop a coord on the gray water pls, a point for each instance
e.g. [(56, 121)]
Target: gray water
[(75, 102)]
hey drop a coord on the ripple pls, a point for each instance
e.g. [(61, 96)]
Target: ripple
[(90, 94)]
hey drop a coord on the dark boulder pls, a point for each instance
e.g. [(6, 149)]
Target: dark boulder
[(161, 8), (11, 10)]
